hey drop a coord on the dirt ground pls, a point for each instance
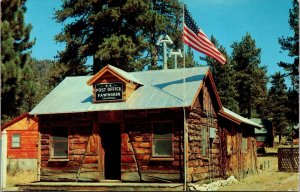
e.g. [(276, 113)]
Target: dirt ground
[(269, 179), (20, 177)]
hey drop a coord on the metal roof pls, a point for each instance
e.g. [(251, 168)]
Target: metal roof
[(160, 89), (125, 74), (242, 119)]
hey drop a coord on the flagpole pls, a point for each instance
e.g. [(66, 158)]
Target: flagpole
[(185, 131)]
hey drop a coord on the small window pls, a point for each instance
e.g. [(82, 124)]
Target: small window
[(16, 141), (260, 138), (59, 143), (162, 145), (244, 145), (204, 140)]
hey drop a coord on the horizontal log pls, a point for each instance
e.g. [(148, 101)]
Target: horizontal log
[(142, 144), (45, 147), (74, 145), (143, 150), (203, 169), (77, 151), (93, 166), (140, 156), (128, 167), (127, 159), (90, 160), (159, 169)]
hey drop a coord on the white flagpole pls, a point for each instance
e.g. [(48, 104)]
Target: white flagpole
[(185, 127)]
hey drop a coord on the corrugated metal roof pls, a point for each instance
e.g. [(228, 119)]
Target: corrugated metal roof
[(259, 121), (125, 74), (161, 89), (242, 119)]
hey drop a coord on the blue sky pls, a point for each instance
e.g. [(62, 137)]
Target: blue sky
[(227, 20)]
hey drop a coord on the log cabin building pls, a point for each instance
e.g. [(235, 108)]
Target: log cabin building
[(22, 141), (125, 126)]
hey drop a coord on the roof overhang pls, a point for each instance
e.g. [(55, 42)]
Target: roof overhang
[(120, 74), (236, 118), (15, 120), (229, 117)]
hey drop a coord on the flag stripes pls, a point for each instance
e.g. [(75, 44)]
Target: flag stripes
[(194, 37)]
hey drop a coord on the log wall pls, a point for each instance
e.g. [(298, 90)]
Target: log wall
[(82, 163), (203, 167), (240, 163), (137, 162)]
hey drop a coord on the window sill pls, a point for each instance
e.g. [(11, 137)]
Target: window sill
[(161, 159), (58, 160)]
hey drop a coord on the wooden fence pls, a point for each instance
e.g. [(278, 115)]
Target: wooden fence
[(288, 159)]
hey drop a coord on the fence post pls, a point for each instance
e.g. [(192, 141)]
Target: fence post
[(3, 159)]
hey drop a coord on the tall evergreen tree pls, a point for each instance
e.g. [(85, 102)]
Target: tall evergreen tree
[(251, 77), (277, 103), (47, 74), (15, 46), (224, 77), (291, 44), (120, 33)]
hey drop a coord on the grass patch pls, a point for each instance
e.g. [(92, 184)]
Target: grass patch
[(269, 179), (20, 177)]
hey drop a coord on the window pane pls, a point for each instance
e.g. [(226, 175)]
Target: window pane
[(60, 149), (162, 130), (59, 138), (60, 142), (260, 138), (16, 140), (162, 147), (15, 144)]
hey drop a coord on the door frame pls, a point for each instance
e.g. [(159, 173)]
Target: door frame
[(102, 151)]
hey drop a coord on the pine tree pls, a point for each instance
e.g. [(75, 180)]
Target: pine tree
[(15, 46), (224, 77), (120, 33), (291, 44), (251, 78), (277, 101), (47, 74)]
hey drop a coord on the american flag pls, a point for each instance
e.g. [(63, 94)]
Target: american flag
[(194, 37)]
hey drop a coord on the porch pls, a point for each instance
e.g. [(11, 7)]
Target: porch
[(100, 186)]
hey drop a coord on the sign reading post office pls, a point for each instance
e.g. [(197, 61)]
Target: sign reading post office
[(109, 91)]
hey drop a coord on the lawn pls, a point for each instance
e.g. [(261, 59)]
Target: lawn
[(20, 177), (269, 179)]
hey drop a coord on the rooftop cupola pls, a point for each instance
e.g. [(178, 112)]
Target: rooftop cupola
[(112, 84)]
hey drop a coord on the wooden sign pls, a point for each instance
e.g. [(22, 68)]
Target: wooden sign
[(109, 91)]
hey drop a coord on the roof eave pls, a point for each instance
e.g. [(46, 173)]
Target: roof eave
[(229, 117), (15, 120)]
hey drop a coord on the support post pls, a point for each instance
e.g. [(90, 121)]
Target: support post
[(3, 159)]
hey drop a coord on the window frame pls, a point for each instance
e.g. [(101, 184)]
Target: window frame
[(153, 156), (12, 141), (204, 152), (52, 156), (244, 147)]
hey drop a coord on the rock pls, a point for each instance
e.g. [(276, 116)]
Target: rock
[(232, 179)]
